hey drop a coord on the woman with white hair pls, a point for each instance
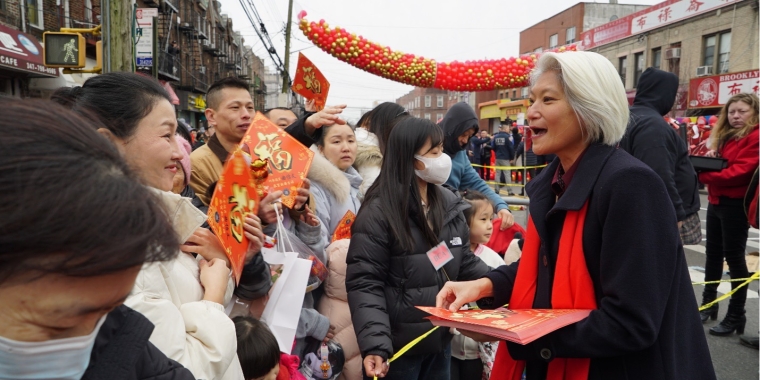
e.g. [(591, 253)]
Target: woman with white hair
[(602, 235)]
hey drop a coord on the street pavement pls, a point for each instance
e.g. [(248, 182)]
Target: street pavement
[(731, 360)]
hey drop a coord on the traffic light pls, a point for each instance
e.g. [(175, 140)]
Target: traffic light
[(64, 49)]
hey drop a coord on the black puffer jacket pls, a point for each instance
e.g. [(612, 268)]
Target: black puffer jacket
[(385, 283), (122, 351), (650, 139)]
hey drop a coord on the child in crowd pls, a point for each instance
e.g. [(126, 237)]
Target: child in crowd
[(257, 349), (469, 359)]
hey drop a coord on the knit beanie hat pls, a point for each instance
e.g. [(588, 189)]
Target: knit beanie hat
[(185, 161)]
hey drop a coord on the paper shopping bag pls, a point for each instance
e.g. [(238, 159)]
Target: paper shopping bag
[(283, 310)]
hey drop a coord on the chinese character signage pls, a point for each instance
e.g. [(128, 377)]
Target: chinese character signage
[(310, 83), (656, 16), (288, 160), (234, 198), (715, 90)]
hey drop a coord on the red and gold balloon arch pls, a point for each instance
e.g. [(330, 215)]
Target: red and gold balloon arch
[(479, 75)]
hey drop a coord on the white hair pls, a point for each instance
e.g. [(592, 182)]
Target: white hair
[(594, 90)]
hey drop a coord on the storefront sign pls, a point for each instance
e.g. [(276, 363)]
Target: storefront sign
[(22, 52), (144, 36), (197, 102), (715, 90), (656, 16)]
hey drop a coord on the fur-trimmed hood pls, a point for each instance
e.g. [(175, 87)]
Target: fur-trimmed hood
[(331, 178)]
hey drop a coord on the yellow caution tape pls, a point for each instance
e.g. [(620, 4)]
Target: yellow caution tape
[(410, 345), (754, 277), (719, 281), (509, 167)]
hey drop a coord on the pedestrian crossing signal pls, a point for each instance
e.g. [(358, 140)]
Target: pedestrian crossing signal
[(64, 49)]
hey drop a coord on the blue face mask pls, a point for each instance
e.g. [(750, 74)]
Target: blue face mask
[(65, 359)]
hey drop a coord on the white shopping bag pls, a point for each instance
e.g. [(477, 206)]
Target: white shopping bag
[(283, 309)]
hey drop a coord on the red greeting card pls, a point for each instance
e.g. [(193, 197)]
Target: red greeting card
[(234, 198), (310, 83), (520, 326), (343, 231), (288, 160)]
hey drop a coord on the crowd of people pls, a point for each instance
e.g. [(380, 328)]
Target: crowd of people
[(108, 268)]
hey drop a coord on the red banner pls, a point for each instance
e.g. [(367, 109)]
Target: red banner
[(656, 16), (713, 91)]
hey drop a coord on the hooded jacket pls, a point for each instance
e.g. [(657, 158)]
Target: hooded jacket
[(196, 333), (334, 192), (458, 120), (385, 282), (650, 139), (122, 351)]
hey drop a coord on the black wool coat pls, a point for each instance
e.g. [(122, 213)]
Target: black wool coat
[(122, 351), (647, 325), (385, 282)]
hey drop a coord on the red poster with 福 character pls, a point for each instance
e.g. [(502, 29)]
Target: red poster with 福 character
[(234, 198), (288, 160), (310, 83)]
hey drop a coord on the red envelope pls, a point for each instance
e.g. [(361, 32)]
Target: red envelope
[(234, 198), (310, 83), (343, 231), (289, 160)]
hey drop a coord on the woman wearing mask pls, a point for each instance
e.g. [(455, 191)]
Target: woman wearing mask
[(407, 213), (184, 297), (735, 138), (335, 183), (459, 125), (602, 236), (64, 273)]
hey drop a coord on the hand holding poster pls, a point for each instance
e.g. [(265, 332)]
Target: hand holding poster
[(234, 198), (288, 159), (310, 83)]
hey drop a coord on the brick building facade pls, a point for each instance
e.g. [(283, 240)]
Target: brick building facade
[(721, 41), (425, 103)]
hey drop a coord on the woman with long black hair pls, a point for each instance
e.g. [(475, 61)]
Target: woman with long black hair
[(406, 214)]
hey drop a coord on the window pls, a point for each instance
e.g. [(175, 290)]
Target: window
[(656, 58), (34, 13), (525, 92), (514, 94), (417, 102), (538, 50), (638, 67), (622, 68), (717, 44), (439, 101), (427, 101), (427, 116), (570, 35), (724, 48), (553, 41), (438, 116)]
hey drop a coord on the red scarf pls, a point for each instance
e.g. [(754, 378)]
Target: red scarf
[(572, 289)]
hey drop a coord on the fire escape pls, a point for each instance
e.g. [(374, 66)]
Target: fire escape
[(194, 73)]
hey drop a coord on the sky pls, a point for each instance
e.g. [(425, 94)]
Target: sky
[(444, 30)]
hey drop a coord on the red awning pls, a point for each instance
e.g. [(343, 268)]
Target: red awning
[(22, 52), (170, 90)]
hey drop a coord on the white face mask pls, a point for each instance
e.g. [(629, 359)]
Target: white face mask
[(437, 170), (64, 359)]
